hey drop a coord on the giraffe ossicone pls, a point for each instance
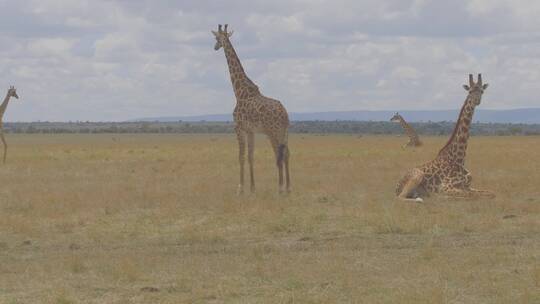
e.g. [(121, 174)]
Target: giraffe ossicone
[(255, 112), (446, 174)]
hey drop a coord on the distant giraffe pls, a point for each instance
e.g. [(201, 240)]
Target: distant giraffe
[(255, 112), (446, 174), (414, 140), (12, 92)]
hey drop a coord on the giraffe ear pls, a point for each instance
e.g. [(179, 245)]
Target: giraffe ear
[(229, 34), (485, 86), (215, 33), (466, 87)]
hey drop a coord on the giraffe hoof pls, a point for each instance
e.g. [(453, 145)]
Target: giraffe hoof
[(240, 190)]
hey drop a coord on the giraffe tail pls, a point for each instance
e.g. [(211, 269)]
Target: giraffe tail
[(281, 153)]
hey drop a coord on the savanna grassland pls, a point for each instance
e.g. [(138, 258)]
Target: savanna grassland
[(155, 219)]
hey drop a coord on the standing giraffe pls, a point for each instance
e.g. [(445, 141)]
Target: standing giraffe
[(414, 140), (12, 92), (446, 174), (255, 112)]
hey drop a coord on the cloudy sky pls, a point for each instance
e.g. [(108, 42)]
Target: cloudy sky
[(118, 60)]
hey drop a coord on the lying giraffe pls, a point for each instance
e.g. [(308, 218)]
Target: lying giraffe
[(255, 112), (12, 92), (446, 174), (414, 140)]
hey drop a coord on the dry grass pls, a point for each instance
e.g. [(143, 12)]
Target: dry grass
[(155, 219)]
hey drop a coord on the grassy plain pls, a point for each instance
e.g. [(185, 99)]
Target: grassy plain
[(155, 219)]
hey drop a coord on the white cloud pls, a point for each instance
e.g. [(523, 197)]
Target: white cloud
[(116, 60), (50, 46), (406, 73)]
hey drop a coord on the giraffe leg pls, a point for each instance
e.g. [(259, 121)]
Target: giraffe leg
[(411, 185), (279, 161), (476, 192), (450, 192), (280, 179), (467, 193), (251, 148), (5, 145), (482, 193), (287, 177), (241, 158), (462, 189)]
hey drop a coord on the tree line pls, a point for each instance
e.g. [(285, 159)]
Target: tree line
[(302, 127)]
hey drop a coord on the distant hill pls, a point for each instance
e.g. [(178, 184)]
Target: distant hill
[(525, 116)]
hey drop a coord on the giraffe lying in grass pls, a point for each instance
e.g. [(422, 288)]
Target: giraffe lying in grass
[(446, 174)]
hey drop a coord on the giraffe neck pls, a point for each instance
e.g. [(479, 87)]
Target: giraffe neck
[(4, 105), (243, 86), (408, 129), (456, 147)]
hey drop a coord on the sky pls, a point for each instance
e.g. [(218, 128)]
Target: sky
[(119, 60)]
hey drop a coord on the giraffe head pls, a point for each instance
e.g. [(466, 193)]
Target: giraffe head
[(222, 35), (12, 92), (396, 117), (475, 89)]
